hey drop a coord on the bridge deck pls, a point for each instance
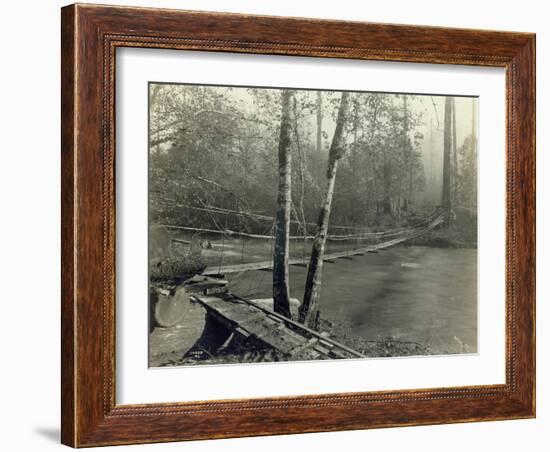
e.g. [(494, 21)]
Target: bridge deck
[(247, 319), (268, 265)]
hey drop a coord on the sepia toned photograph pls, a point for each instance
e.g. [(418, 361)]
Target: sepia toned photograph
[(299, 224)]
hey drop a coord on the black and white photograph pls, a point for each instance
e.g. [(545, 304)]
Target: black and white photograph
[(299, 224), (275, 226)]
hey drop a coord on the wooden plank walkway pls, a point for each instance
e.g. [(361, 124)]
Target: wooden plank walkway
[(291, 338), (268, 265)]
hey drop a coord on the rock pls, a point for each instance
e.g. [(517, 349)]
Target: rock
[(170, 309)]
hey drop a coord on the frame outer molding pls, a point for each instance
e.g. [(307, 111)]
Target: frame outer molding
[(68, 242), (90, 35)]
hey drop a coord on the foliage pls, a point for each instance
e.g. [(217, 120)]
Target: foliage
[(217, 146)]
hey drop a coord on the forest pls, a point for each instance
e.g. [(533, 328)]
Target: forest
[(281, 173), (218, 146)]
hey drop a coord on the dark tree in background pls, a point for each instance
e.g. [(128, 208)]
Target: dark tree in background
[(407, 151), (467, 168), (455, 146), (446, 195)]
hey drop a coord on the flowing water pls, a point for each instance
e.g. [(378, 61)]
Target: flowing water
[(418, 294)]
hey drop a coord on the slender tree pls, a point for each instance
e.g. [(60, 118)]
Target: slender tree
[(319, 121), (407, 152), (455, 154), (309, 307), (431, 151), (370, 187), (446, 195), (474, 138), (281, 291), (301, 175), (379, 139), (354, 161)]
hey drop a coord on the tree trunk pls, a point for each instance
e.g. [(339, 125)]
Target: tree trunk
[(407, 152), (281, 292), (446, 195), (372, 199), (309, 307), (386, 171), (431, 152), (474, 138), (301, 171), (319, 122), (355, 155), (455, 154)]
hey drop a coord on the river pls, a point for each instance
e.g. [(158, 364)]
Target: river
[(410, 293)]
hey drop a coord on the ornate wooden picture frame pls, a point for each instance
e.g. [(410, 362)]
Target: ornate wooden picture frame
[(90, 37)]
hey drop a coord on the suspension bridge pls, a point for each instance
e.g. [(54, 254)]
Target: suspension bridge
[(390, 238), (226, 317)]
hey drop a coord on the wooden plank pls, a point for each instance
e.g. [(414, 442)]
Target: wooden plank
[(326, 344), (242, 332), (215, 290), (306, 331), (298, 350), (339, 354), (184, 242), (322, 350), (268, 327), (294, 328), (240, 315), (275, 319), (275, 335), (309, 354), (203, 279)]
